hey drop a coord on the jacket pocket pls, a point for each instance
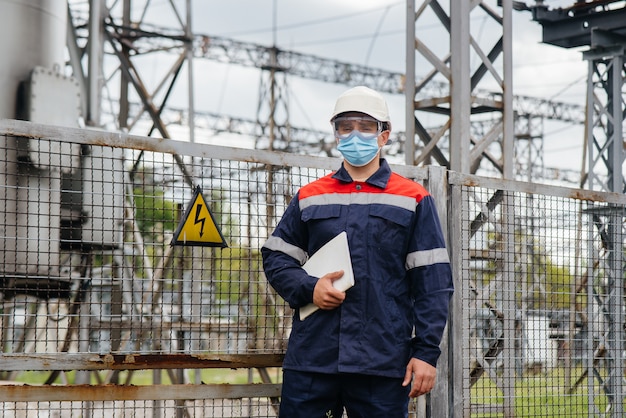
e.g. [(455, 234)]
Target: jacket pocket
[(388, 226), (323, 223), (314, 213)]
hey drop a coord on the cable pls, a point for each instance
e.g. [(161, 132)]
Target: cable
[(578, 80), (344, 38), (313, 22), (376, 32)]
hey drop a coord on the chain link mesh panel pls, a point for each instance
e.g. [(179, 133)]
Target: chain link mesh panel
[(543, 320)]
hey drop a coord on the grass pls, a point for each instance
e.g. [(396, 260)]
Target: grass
[(541, 395)]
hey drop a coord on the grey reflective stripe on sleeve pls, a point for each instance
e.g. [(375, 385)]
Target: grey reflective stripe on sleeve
[(278, 244), (404, 202), (426, 258)]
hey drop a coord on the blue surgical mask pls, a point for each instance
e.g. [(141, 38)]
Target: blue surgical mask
[(358, 149)]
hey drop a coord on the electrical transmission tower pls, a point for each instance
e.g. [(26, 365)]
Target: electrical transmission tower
[(462, 101), (125, 36), (599, 25), (466, 67)]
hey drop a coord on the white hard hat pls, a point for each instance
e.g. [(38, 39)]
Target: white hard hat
[(365, 100)]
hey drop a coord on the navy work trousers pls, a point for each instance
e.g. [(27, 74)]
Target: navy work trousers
[(312, 395)]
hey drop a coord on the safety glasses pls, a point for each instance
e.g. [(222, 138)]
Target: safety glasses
[(344, 125)]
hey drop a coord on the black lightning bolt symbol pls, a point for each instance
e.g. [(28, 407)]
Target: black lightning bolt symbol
[(198, 220)]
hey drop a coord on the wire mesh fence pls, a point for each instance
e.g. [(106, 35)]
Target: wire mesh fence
[(541, 288), (93, 291), (101, 315), (88, 265), (141, 409)]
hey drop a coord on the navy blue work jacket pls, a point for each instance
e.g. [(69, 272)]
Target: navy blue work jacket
[(398, 306)]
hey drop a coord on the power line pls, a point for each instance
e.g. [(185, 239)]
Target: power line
[(312, 22), (375, 36)]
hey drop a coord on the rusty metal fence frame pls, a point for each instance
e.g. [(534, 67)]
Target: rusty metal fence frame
[(498, 211)]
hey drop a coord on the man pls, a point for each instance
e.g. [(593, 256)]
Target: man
[(370, 348)]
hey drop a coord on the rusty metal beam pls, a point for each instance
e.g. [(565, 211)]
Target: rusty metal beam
[(75, 361), (26, 393)]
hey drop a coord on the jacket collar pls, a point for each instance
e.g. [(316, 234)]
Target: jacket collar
[(379, 179)]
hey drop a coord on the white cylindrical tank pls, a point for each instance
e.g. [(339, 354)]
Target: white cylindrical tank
[(32, 33)]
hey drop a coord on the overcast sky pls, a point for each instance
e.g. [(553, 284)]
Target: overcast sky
[(370, 33)]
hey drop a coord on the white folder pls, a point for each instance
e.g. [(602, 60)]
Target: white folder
[(333, 256)]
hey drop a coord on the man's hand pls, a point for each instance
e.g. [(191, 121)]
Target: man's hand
[(423, 376), (325, 296)]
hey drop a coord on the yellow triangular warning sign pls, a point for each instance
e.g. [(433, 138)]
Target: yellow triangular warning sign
[(198, 226)]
